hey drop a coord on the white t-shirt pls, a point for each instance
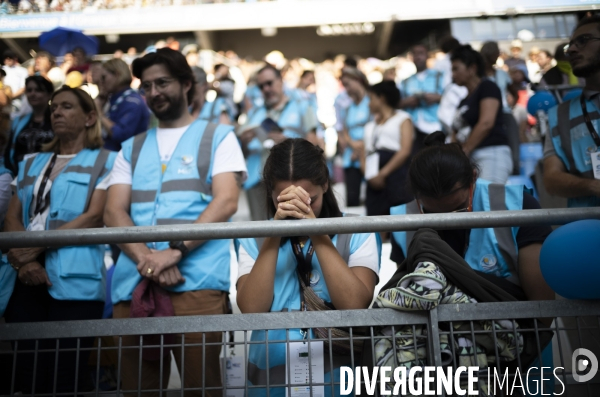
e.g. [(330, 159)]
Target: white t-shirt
[(385, 136), (228, 156), (366, 255), (62, 160)]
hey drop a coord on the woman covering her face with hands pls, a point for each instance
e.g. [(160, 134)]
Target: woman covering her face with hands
[(298, 187)]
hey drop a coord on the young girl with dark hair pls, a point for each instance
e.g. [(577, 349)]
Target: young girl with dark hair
[(388, 145), (341, 269), (444, 179)]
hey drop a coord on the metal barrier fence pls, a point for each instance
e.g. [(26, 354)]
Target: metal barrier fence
[(357, 224), (431, 338), (448, 336)]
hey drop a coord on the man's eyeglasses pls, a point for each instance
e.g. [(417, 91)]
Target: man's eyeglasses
[(580, 42), (160, 84), (265, 84), (468, 208)]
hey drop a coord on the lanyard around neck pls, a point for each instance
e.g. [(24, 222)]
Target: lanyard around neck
[(304, 262), (588, 121), (41, 202)]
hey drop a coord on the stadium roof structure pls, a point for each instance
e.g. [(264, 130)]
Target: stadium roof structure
[(278, 14)]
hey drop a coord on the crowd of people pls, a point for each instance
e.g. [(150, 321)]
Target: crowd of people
[(159, 141), (39, 6)]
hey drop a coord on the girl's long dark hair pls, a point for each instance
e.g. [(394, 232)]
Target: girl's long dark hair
[(436, 170), (296, 159)]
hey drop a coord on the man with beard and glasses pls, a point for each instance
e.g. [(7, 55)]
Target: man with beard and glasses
[(279, 118), (182, 172), (572, 152)]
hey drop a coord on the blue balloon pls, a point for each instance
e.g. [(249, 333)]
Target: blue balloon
[(574, 93), (541, 100), (570, 261)]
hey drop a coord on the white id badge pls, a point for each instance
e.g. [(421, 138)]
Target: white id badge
[(596, 164), (372, 166), (299, 372), (234, 375), (36, 224)]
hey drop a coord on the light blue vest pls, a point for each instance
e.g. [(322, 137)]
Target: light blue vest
[(292, 123), (433, 84), (76, 273), (286, 297), (356, 118), (573, 143), (301, 95), (8, 276), (491, 250), (255, 96), (178, 196), (17, 126), (211, 111)]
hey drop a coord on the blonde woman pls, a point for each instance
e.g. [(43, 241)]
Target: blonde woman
[(126, 112), (63, 187)]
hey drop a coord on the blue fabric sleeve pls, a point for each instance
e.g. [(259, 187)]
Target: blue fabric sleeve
[(126, 118)]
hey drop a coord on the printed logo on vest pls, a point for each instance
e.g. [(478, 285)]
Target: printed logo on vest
[(314, 278), (488, 263), (187, 159)]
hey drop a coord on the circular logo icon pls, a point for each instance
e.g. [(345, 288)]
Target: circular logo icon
[(187, 159), (314, 278), (592, 149), (488, 262)]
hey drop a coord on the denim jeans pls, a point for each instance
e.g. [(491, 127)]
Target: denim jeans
[(495, 163)]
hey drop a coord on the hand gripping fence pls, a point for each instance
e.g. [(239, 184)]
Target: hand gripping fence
[(432, 338)]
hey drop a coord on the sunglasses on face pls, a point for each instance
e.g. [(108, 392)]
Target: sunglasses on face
[(580, 42), (468, 208), (268, 83)]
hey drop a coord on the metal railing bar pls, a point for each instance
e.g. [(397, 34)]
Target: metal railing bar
[(98, 354), (208, 323), (434, 326), (357, 224), (516, 310), (257, 321), (55, 377)]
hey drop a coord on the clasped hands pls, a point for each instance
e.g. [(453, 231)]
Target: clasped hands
[(294, 203), (161, 267), (31, 272)]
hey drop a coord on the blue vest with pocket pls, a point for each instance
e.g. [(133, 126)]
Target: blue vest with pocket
[(490, 250), (286, 297), (354, 122), (573, 142), (78, 272), (211, 111), (176, 197), (292, 123)]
